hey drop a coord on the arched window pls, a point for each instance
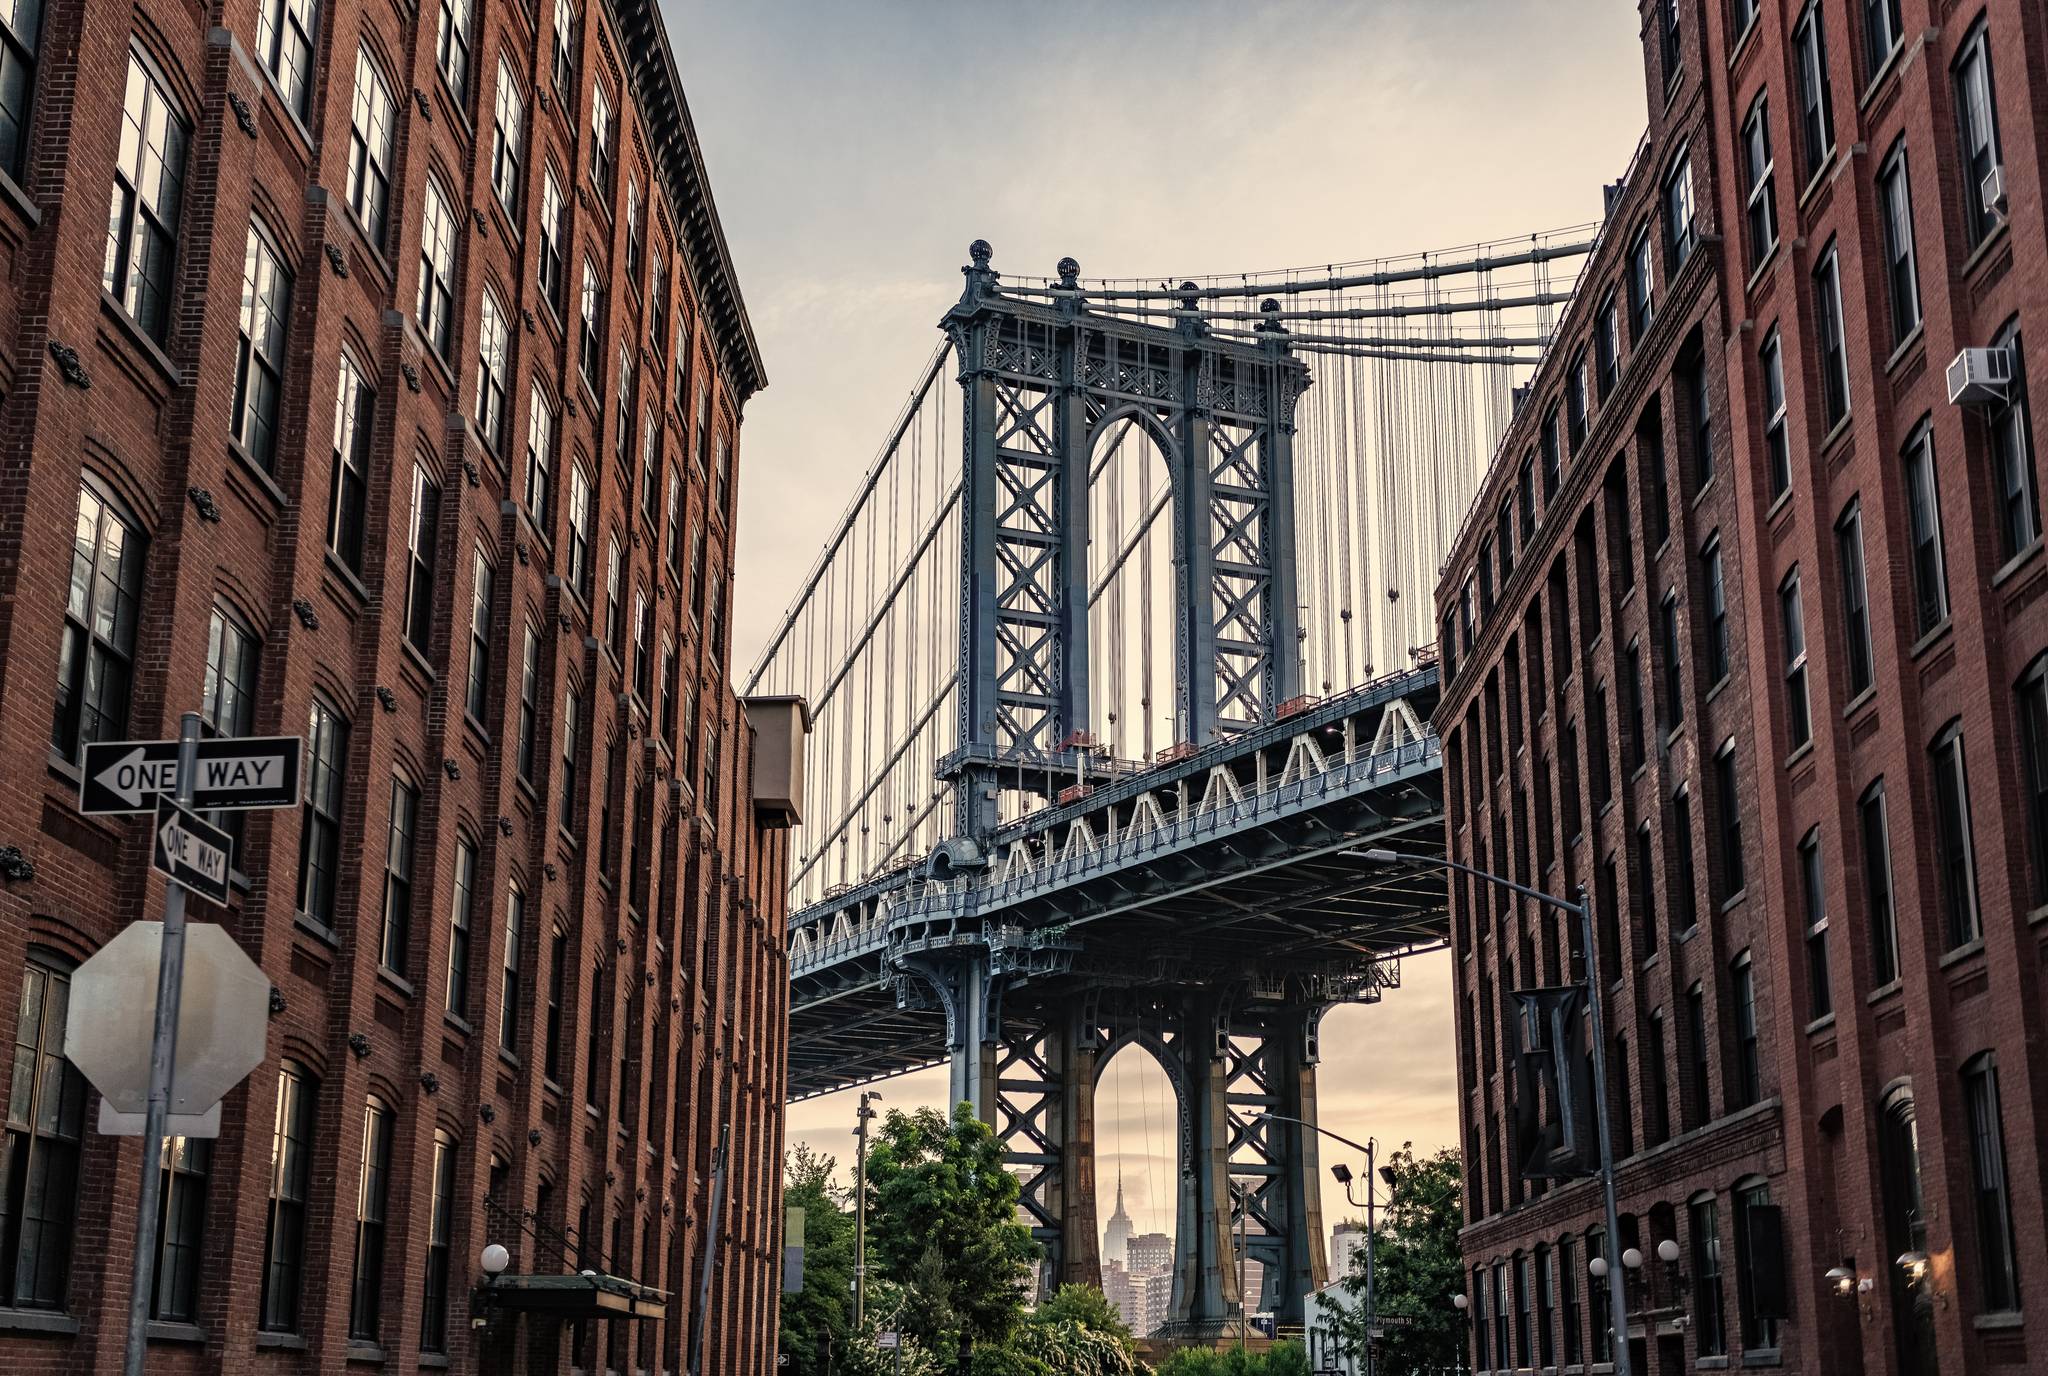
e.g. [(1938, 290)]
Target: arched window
[(440, 1231), (373, 1192), (1996, 1264), (284, 1237), (1709, 1319)]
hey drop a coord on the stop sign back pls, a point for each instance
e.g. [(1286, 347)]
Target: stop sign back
[(223, 1018)]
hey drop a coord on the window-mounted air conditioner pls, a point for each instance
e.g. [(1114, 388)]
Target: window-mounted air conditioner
[(1979, 377), (1992, 190)]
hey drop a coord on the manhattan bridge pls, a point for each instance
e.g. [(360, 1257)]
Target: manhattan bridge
[(1120, 652)]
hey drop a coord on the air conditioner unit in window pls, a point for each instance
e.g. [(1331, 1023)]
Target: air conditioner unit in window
[(1992, 190), (1979, 377)]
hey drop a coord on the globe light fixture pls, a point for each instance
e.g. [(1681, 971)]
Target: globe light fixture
[(1632, 1258), (1461, 1302), (495, 1259), (1667, 1251), (1598, 1268)]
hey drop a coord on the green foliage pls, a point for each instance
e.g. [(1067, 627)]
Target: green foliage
[(817, 1321), (1084, 1306), (1282, 1359), (1418, 1268), (1005, 1361), (942, 1223), (1073, 1349)]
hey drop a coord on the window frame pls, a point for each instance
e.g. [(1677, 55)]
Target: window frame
[(266, 310)]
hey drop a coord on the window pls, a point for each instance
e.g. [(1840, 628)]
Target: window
[(370, 122), (1574, 403), (227, 697), (1728, 809), (492, 371), (600, 138), (643, 646), (1606, 346), (1642, 285), (419, 544), (1598, 744), (1814, 903), (461, 914), (95, 658), (1742, 14), (1699, 1078), (657, 303), (1550, 443), (1877, 885), (590, 350), (721, 478), (1713, 578), (508, 138), (373, 1186), (529, 700), (1955, 863), (1759, 1265), (550, 271), (149, 188), (440, 1234), (1681, 231), (1902, 281), (1996, 1263), (1977, 129), (614, 600), (284, 44), (349, 483), (291, 1169), (634, 237), (558, 961), (259, 359), (2033, 723), (1645, 888), (570, 705), (477, 699), (181, 1224), (1930, 576), (1798, 716), (564, 45), (622, 433), (1479, 1287), (1674, 663), (1882, 31), (508, 1002), (1568, 1273), (1760, 209), (451, 47), (1525, 497), (320, 815), (1597, 1327), (20, 27), (1834, 354), (1905, 1228), (1707, 1313), (2009, 426), (1777, 439), (673, 541), (1816, 97), (540, 444), (1748, 1087), (1657, 1111), (44, 1124), (650, 463), (435, 308), (1855, 597), (398, 847), (1668, 38), (668, 692), (579, 530), (1658, 499), (1699, 412), (702, 416)]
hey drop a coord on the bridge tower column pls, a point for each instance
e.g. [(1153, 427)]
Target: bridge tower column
[(1045, 1114), (1205, 1258), (1293, 1199)]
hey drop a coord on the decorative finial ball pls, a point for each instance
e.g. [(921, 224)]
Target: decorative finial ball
[(1069, 271), (980, 252), (1269, 306)]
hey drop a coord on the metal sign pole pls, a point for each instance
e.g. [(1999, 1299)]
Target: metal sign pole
[(703, 1316), (1617, 1280), (163, 1050)]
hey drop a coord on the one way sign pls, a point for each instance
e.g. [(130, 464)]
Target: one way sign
[(234, 772), (191, 850)]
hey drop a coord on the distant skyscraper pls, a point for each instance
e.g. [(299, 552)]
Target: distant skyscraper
[(1347, 1240), (1116, 1238), (1149, 1252)]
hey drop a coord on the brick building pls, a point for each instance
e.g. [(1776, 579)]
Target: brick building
[(375, 372), (1744, 634)]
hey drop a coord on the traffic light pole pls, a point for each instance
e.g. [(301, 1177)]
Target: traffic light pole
[(163, 1053)]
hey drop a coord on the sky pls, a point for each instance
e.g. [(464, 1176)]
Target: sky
[(856, 147)]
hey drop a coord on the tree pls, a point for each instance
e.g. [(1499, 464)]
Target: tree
[(817, 1321), (1085, 1307), (942, 1221), (1417, 1268)]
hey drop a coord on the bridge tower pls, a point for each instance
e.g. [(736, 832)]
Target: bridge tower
[(1042, 378)]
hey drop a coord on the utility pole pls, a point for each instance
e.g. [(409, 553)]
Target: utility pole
[(1237, 1194), (1372, 1360), (163, 1054), (860, 1210)]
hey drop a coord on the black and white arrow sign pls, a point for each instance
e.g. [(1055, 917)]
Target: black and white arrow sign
[(191, 850), (234, 772)]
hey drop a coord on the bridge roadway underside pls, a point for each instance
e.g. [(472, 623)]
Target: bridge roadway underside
[(1207, 911)]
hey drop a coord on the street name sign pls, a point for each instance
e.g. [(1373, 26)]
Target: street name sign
[(188, 848), (223, 1018), (233, 772)]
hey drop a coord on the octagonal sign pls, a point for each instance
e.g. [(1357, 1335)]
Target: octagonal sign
[(223, 1017)]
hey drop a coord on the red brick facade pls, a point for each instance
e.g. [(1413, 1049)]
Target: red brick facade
[(205, 507), (1814, 836)]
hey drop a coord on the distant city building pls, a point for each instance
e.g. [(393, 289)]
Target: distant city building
[(1117, 1236), (1155, 1292), (1320, 1335), (1149, 1252), (1347, 1240), (1123, 1294)]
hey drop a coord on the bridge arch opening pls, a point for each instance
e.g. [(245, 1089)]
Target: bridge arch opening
[(1133, 645), (1139, 1121)]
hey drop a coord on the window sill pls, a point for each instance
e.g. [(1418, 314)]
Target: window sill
[(318, 930), (2017, 562), (1779, 505), (1939, 631), (1983, 250), (433, 1361), (1711, 1364), (419, 659), (1763, 264), (12, 194), (477, 728), (1835, 432), (508, 1057), (367, 1353), (1881, 78), (1805, 749), (1733, 900), (139, 337), (291, 1342), (1915, 338), (1856, 703), (1883, 992), (274, 95), (1687, 935), (1820, 1024), (1965, 952), (256, 471), (2006, 1319), (164, 1331), (1817, 179), (387, 975), (37, 1321), (1720, 684), (459, 1023), (2038, 916), (349, 577)]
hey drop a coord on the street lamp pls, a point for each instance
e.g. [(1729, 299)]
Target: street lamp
[(860, 1207), (1617, 1300), (1342, 1174), (494, 1260)]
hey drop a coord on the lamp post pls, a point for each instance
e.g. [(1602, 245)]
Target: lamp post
[(1342, 1174), (1463, 1304), (860, 1208), (1617, 1300)]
